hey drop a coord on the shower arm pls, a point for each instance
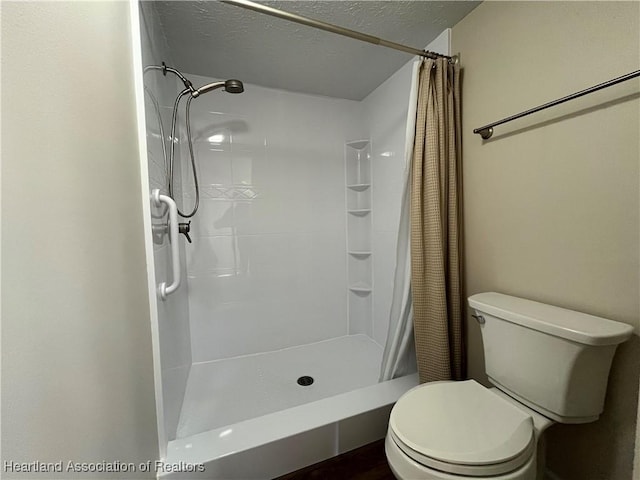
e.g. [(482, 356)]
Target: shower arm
[(207, 88), (164, 69), (232, 86)]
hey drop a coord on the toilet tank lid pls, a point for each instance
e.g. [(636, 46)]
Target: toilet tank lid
[(560, 322)]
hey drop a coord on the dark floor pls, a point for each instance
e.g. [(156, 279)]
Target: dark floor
[(364, 463)]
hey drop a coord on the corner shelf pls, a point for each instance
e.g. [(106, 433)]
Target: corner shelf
[(359, 187), (358, 144), (358, 203), (359, 253), (360, 289), (360, 212)]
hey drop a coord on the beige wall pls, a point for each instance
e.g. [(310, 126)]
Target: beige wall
[(552, 201), (77, 377)]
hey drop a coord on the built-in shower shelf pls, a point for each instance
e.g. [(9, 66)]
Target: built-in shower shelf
[(359, 187), (358, 204), (360, 212), (358, 144), (360, 288), (360, 253)]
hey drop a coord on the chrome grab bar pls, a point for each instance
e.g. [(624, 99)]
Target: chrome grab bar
[(163, 289)]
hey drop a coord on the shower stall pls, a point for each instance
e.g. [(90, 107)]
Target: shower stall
[(268, 355)]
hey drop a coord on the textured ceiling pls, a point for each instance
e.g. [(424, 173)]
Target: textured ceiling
[(224, 41)]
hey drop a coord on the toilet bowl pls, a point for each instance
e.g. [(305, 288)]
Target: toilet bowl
[(463, 430), (458, 430)]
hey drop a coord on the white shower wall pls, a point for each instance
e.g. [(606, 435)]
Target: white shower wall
[(267, 267), (385, 112), (173, 313)]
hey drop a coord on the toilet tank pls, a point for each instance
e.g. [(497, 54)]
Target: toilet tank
[(553, 360)]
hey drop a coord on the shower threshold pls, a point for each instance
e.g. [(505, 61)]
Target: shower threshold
[(228, 391), (282, 442), (265, 424)]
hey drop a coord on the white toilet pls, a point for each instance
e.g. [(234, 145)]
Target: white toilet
[(548, 365)]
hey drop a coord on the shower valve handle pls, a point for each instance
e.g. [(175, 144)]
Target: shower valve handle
[(185, 228)]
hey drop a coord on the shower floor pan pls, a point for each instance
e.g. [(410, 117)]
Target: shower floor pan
[(248, 417)]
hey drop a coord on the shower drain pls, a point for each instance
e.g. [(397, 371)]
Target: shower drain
[(305, 381)]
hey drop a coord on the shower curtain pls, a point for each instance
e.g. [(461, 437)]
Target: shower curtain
[(399, 356), (430, 218)]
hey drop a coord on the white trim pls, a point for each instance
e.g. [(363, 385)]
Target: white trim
[(138, 81)]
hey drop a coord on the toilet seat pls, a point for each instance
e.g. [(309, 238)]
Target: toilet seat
[(462, 428)]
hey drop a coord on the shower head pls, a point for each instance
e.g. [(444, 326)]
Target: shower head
[(231, 86), (234, 86)]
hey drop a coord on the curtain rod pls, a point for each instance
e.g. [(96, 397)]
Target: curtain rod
[(487, 130), (329, 27)]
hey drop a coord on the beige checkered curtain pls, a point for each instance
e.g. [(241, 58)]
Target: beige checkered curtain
[(435, 229)]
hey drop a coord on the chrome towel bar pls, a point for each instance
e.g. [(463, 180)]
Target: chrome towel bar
[(487, 130)]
